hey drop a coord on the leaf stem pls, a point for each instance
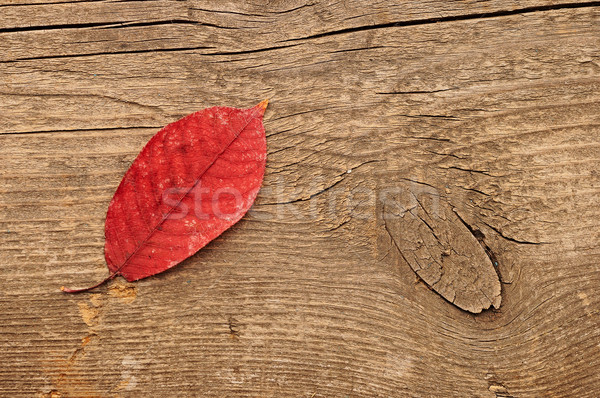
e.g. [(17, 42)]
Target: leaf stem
[(111, 276)]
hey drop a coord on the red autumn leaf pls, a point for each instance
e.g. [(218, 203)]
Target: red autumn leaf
[(193, 180)]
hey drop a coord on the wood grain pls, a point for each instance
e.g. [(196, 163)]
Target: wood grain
[(493, 105)]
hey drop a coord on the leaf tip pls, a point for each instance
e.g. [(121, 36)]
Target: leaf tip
[(262, 106)]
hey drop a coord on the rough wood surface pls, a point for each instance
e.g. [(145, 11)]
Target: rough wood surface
[(444, 251), (492, 107)]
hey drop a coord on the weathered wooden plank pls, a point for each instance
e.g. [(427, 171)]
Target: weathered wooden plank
[(312, 18), (76, 29), (307, 296)]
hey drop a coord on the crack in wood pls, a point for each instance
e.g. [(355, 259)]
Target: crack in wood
[(111, 25), (47, 3), (508, 238), (152, 50), (80, 130), (454, 18)]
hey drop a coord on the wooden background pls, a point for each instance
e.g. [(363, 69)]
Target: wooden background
[(494, 105)]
